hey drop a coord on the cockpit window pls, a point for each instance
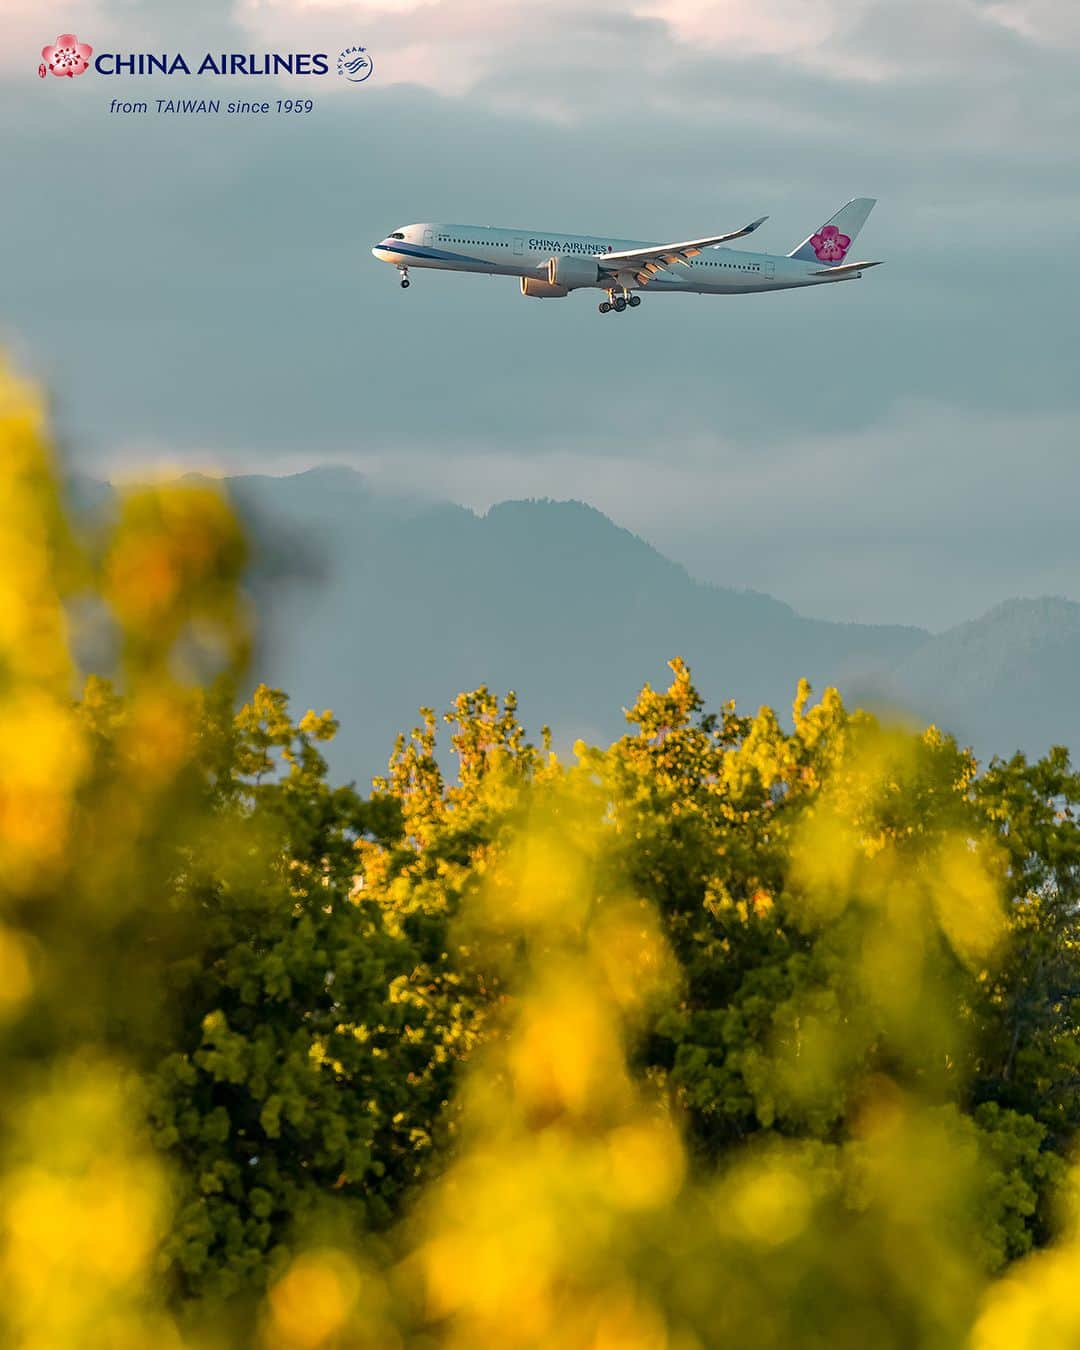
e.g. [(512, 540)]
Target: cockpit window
[(397, 235)]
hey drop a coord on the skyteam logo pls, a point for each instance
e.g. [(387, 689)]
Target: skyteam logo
[(355, 65)]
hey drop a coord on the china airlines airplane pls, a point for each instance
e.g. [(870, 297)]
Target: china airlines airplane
[(552, 265)]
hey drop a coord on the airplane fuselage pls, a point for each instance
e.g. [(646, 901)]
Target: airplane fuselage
[(525, 254)]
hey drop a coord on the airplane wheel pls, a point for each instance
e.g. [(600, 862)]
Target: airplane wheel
[(604, 307), (620, 305), (634, 301), (405, 283)]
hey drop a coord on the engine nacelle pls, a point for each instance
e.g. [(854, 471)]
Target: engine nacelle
[(542, 290), (571, 270)]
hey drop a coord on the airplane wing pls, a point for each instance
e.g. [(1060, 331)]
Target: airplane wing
[(646, 262), (846, 270)]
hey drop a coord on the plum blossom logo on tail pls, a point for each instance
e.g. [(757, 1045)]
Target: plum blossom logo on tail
[(67, 56), (829, 244)]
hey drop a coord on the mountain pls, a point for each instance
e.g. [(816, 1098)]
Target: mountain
[(373, 605), (1006, 681), (394, 603)]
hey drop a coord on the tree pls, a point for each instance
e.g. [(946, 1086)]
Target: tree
[(722, 1032)]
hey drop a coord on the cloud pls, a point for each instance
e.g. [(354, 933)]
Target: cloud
[(26, 30), (555, 54), (108, 25), (1043, 21), (554, 58), (776, 26), (203, 292), (578, 61)]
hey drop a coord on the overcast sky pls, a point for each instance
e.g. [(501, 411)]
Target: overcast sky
[(901, 449)]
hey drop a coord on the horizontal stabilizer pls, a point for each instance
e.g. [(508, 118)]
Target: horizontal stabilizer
[(846, 270)]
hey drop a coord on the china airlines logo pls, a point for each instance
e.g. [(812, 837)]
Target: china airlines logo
[(830, 245), (67, 56)]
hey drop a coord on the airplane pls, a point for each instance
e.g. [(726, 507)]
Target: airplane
[(550, 265)]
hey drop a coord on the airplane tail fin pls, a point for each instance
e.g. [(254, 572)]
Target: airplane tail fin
[(831, 242)]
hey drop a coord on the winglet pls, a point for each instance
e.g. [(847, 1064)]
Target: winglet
[(746, 229)]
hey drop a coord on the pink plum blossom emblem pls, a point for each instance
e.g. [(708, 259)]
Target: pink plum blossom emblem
[(829, 244), (67, 56)]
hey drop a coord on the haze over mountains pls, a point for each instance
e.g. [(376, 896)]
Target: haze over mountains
[(373, 605)]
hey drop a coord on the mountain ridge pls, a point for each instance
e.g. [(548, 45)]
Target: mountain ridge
[(375, 604)]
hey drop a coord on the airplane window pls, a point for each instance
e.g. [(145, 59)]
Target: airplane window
[(397, 235)]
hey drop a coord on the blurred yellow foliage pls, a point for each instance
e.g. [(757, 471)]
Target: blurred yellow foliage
[(1037, 1305), (313, 1301), (82, 1206), (84, 1198)]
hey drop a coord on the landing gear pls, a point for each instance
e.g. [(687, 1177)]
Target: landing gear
[(404, 278), (619, 303)]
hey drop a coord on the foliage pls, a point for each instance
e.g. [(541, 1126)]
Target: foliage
[(723, 1034)]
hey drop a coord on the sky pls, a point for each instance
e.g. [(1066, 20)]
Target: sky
[(201, 292)]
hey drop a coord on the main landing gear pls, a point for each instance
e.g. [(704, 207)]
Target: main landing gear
[(404, 278), (619, 302)]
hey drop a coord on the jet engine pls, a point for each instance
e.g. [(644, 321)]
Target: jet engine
[(571, 271), (542, 290)]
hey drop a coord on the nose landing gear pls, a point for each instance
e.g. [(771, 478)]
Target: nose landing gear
[(619, 303), (404, 278)]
